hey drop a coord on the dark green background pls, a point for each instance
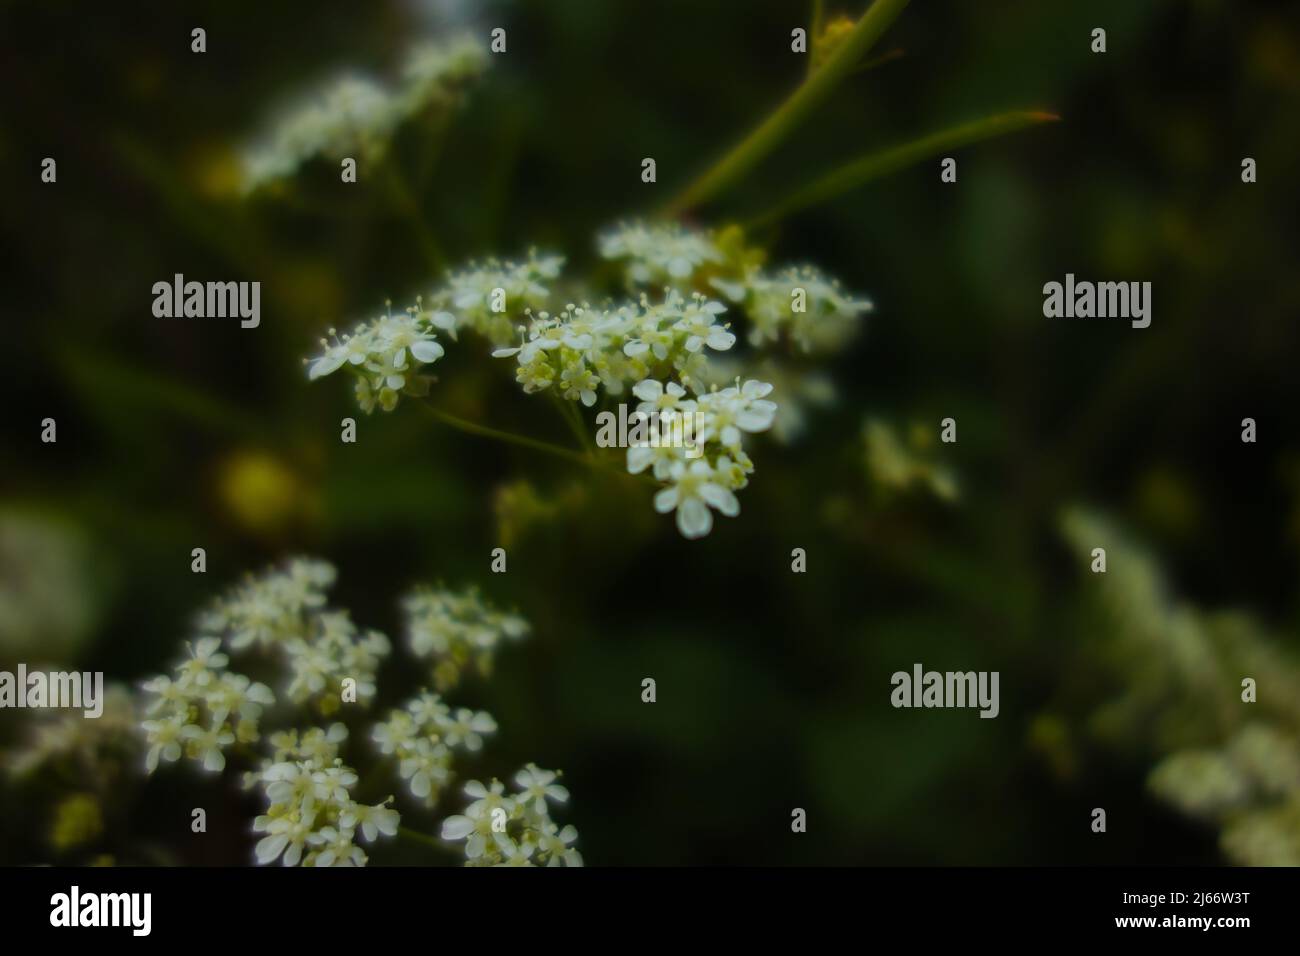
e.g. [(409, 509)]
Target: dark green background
[(773, 687)]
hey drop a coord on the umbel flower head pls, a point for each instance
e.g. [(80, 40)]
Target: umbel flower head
[(457, 631), (203, 710), (515, 828), (583, 349), (311, 817), (1234, 766), (283, 611), (701, 476), (690, 290), (355, 116), (423, 735), (386, 354)]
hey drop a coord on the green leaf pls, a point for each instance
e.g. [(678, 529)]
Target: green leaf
[(796, 108), (883, 162)]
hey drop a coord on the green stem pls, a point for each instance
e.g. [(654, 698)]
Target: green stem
[(815, 32), (796, 108), (889, 56), (524, 441), (588, 460), (574, 419), (415, 836), (874, 165), (409, 206)]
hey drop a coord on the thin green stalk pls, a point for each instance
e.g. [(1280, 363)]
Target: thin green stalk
[(815, 31), (574, 419), (415, 836), (889, 56), (524, 441), (590, 460), (409, 206), (796, 108), (877, 164)]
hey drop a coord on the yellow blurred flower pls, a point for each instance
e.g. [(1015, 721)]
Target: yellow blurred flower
[(77, 821), (215, 171), (260, 492)]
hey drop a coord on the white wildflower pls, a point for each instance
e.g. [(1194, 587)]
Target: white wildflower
[(386, 353), (658, 253), (827, 318), (537, 786), (457, 631), (501, 829), (373, 820), (355, 116)]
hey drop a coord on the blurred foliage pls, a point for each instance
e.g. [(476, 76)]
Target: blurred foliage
[(772, 687)]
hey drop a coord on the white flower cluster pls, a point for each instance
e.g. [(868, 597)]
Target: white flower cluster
[(355, 116), (332, 652), (458, 630), (423, 737), (706, 472), (663, 253), (203, 710), (663, 345), (269, 608), (801, 389), (514, 829), (489, 297), (93, 748), (583, 349), (800, 302), (311, 818), (284, 609), (385, 353)]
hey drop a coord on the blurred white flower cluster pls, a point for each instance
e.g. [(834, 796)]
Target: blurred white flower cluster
[(457, 631), (1226, 756), (88, 750), (424, 734), (660, 344), (50, 591), (896, 464), (311, 818), (268, 609), (798, 303), (514, 829), (808, 308), (661, 254), (283, 610), (491, 296), (355, 116), (203, 710)]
